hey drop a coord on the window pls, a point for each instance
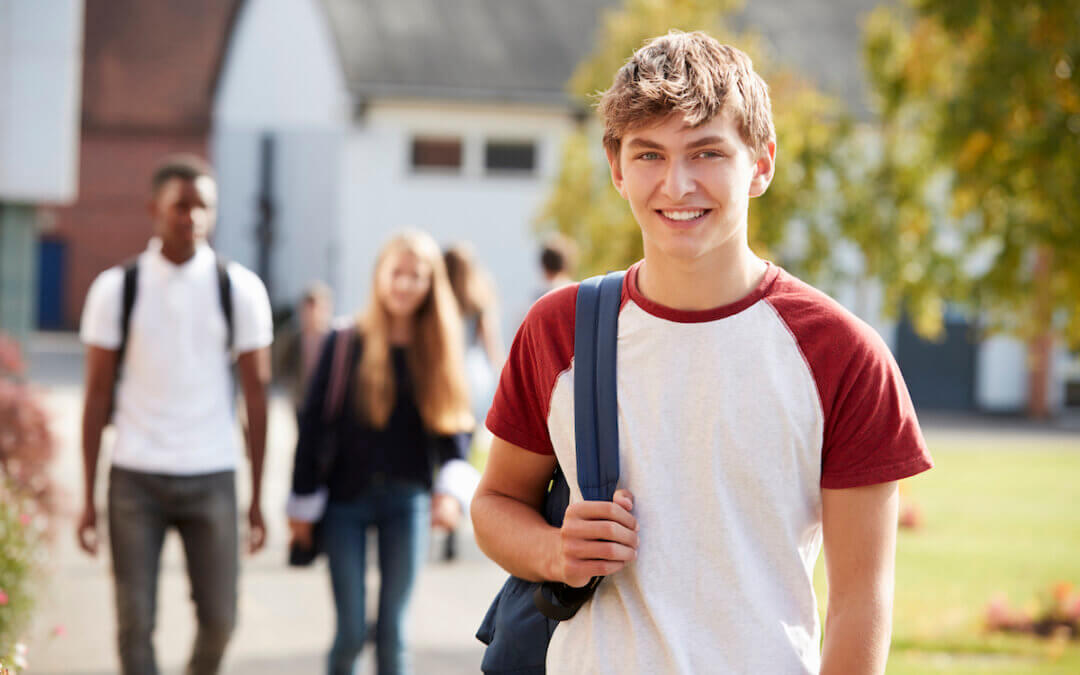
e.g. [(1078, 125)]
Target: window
[(436, 153), (504, 156)]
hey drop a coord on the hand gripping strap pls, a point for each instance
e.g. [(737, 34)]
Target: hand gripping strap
[(596, 419)]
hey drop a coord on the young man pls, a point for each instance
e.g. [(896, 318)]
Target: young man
[(175, 452), (757, 417)]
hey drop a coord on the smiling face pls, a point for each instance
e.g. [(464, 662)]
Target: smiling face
[(403, 283), (689, 187)]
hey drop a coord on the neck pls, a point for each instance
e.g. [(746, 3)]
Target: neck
[(702, 283), (177, 254), (401, 330)]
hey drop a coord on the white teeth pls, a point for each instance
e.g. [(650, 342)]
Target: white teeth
[(683, 215)]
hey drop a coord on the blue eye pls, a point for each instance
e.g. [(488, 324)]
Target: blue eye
[(649, 155), (711, 154)]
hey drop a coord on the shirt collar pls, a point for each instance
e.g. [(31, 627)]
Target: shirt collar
[(163, 267)]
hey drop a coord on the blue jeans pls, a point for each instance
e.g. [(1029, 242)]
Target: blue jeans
[(402, 514)]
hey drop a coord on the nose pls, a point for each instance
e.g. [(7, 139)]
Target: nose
[(678, 181)]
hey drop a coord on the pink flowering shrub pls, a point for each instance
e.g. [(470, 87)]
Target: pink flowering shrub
[(26, 500)]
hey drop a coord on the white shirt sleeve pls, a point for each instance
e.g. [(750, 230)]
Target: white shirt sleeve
[(253, 322), (100, 325)]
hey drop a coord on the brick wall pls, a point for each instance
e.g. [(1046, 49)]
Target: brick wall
[(109, 222)]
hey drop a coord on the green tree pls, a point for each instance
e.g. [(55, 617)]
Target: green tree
[(809, 126), (980, 110)]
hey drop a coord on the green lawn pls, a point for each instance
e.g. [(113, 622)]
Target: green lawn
[(1001, 515)]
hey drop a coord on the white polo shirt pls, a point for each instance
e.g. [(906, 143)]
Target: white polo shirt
[(174, 403)]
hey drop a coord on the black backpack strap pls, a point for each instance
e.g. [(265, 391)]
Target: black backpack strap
[(131, 285), (225, 298)]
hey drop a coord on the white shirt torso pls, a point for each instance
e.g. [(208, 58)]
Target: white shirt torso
[(174, 408)]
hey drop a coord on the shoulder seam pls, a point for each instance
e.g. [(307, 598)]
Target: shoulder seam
[(806, 361)]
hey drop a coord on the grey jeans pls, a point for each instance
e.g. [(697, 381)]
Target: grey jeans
[(142, 507)]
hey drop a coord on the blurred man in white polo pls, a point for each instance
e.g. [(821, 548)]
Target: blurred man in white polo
[(162, 334)]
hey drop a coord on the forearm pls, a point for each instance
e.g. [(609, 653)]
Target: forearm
[(255, 403), (95, 417), (857, 636), (515, 536)]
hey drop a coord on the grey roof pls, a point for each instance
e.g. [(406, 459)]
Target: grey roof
[(526, 50), (503, 50), (821, 39)]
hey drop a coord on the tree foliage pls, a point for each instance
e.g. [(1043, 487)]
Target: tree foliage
[(980, 110)]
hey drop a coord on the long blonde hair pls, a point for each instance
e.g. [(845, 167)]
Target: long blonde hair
[(434, 355)]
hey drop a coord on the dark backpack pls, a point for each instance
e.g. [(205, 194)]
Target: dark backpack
[(131, 286), (523, 616)]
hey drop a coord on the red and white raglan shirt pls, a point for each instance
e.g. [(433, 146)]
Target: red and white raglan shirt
[(731, 421)]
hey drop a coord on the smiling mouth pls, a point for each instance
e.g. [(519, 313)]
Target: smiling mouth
[(683, 216)]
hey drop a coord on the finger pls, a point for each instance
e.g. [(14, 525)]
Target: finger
[(624, 494), (601, 511), (601, 530), (579, 573), (580, 549)]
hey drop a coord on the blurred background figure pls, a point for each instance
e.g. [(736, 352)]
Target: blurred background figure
[(299, 348), (484, 351), (405, 415), (558, 258)]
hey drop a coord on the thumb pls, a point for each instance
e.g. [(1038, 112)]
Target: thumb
[(624, 498)]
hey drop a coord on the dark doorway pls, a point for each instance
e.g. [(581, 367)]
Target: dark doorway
[(52, 267), (939, 375)]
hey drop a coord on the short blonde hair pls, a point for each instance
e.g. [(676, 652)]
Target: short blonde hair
[(691, 74)]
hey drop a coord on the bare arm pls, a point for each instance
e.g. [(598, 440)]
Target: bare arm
[(254, 370), (597, 538), (100, 379), (491, 337), (859, 527)]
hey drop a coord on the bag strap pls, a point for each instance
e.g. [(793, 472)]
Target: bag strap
[(335, 389), (596, 421), (224, 285), (131, 285)]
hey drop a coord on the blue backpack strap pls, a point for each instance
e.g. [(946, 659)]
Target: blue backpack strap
[(596, 419), (596, 411)]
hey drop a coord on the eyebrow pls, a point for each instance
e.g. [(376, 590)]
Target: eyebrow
[(699, 143), (708, 140), (642, 143)]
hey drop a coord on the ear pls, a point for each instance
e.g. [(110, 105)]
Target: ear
[(764, 168), (616, 171)]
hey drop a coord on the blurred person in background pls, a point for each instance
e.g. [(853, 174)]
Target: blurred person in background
[(405, 414), (484, 352), (298, 349), (172, 323), (474, 290), (558, 257)]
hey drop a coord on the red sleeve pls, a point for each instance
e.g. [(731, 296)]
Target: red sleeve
[(871, 434), (543, 349)]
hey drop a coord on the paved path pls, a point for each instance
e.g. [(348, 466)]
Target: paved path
[(286, 615)]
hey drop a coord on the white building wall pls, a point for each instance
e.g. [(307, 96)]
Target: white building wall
[(282, 79), (495, 213), (281, 69), (40, 94)]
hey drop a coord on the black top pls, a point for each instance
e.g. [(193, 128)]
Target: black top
[(366, 457)]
